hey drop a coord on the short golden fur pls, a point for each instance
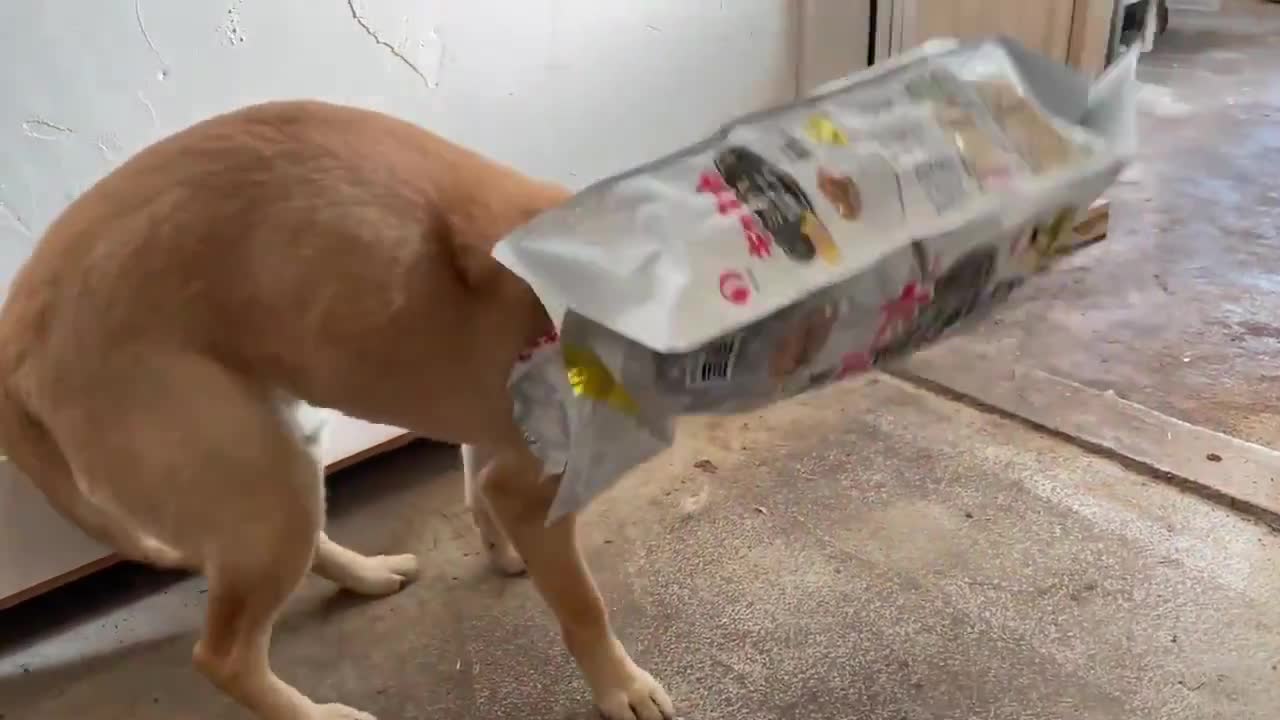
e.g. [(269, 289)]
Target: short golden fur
[(155, 343)]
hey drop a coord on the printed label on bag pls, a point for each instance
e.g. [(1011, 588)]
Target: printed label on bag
[(714, 364), (945, 182)]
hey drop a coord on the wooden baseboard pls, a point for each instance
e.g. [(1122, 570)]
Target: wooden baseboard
[(56, 582), (388, 445)]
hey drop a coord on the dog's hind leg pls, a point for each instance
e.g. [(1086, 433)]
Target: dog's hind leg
[(246, 591), (211, 465), (367, 575), (33, 451), (502, 554)]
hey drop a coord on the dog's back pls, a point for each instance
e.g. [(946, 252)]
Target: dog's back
[(292, 249), (313, 247), (154, 347)]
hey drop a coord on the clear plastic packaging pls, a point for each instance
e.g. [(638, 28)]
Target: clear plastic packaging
[(803, 244)]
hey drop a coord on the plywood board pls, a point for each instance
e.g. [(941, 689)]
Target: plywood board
[(1091, 225), (1090, 36), (1043, 26), (834, 40), (36, 543)]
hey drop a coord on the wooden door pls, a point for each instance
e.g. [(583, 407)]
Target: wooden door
[(1043, 26), (834, 40)]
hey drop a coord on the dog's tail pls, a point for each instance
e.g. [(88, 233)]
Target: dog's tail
[(32, 449)]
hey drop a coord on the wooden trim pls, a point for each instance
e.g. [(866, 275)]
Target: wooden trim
[(105, 562), (388, 445), (886, 10), (904, 14), (52, 583), (1090, 37), (1091, 225)]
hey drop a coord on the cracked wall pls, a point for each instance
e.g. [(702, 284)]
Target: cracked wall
[(568, 89)]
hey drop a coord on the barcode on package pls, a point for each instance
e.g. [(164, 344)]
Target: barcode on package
[(714, 365), (944, 182), (794, 148)]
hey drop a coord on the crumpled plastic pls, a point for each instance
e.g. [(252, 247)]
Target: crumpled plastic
[(804, 244)]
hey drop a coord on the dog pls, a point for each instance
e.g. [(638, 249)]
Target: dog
[(157, 344)]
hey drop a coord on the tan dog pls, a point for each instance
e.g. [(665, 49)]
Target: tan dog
[(155, 345)]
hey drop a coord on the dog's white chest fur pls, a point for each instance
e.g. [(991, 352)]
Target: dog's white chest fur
[(308, 422)]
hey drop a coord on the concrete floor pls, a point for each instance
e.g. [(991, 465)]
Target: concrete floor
[(871, 551), (1179, 311), (934, 562)]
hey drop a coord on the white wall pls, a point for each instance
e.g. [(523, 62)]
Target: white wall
[(569, 89)]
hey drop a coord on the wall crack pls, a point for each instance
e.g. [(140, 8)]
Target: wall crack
[(45, 130), (151, 109), (142, 27), (15, 219), (396, 49)]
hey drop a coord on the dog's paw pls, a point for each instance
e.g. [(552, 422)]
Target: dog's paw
[(335, 711), (636, 696), (382, 574), (504, 559)]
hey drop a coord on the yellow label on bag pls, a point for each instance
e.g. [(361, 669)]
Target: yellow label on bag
[(824, 132), (1048, 243), (588, 377), (1043, 244)]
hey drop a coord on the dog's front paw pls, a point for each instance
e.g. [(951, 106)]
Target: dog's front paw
[(504, 558), (382, 574), (335, 711), (634, 695)]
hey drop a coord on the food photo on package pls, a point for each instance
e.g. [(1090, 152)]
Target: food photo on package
[(804, 244)]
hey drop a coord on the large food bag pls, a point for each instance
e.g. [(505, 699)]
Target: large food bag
[(801, 245)]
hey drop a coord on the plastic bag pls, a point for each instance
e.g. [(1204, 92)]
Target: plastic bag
[(804, 244)]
